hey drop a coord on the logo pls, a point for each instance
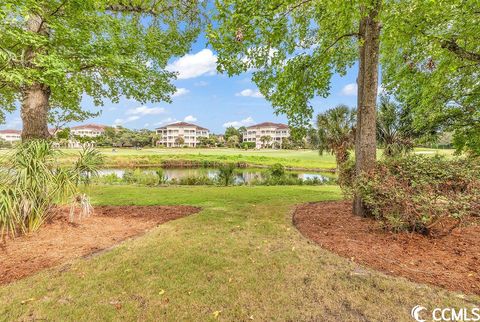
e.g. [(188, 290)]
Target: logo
[(446, 314), (416, 313)]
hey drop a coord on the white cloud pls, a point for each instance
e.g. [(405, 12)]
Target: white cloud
[(190, 66), (180, 91), (249, 93), (145, 110), (190, 118), (350, 89), (236, 124), (201, 84), (127, 120), (168, 120)]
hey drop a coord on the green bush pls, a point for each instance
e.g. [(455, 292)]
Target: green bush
[(142, 177), (276, 170), (33, 183), (226, 174), (416, 193), (110, 178), (195, 181)]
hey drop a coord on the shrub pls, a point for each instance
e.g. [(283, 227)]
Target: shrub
[(276, 170), (138, 176), (196, 181), (226, 174), (416, 193), (162, 178), (33, 183), (248, 145), (110, 178), (346, 176)]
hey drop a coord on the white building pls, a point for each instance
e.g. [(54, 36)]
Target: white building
[(181, 134), (11, 136), (87, 130), (276, 132), (90, 130)]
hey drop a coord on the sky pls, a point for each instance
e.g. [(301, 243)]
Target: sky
[(206, 98)]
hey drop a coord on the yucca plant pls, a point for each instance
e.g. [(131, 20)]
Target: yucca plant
[(33, 183)]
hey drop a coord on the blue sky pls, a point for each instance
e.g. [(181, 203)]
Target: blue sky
[(206, 98)]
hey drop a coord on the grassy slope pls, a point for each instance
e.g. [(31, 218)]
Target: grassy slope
[(240, 255)]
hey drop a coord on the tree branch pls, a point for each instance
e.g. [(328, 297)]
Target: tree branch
[(130, 8), (452, 46), (301, 3), (351, 34)]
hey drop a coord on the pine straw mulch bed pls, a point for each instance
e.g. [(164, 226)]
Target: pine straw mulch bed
[(59, 240), (451, 261)]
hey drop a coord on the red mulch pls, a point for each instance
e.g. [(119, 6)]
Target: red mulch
[(59, 240), (451, 261)]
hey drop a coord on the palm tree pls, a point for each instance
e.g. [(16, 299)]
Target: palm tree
[(265, 139), (394, 130), (336, 132)]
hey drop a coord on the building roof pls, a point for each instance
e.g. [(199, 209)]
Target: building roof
[(268, 124), (89, 126), (182, 124), (10, 131)]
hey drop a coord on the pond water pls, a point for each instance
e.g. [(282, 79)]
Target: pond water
[(242, 175)]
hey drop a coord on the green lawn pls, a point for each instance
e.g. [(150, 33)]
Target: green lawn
[(290, 158), (302, 159), (239, 259), (306, 159)]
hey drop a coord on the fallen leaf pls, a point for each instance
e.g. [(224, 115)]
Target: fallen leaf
[(161, 292), (216, 314)]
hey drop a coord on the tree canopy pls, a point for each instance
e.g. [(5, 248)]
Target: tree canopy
[(434, 65), (105, 49), (429, 53)]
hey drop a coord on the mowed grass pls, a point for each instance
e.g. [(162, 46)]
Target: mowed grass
[(239, 259), (300, 159), (308, 159)]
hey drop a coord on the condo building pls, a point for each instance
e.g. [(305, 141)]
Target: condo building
[(87, 130), (181, 134), (90, 130), (11, 135), (267, 134)]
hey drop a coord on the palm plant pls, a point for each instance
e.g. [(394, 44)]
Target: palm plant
[(336, 132), (226, 174), (394, 132), (33, 183), (265, 139)]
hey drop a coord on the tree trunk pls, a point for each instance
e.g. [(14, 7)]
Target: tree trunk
[(365, 140), (35, 112), (35, 97)]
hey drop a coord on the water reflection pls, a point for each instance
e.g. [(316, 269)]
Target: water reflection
[(242, 176)]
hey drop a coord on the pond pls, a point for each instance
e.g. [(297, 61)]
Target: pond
[(244, 175)]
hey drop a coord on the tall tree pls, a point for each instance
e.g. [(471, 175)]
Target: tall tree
[(434, 65), (52, 52), (294, 47)]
